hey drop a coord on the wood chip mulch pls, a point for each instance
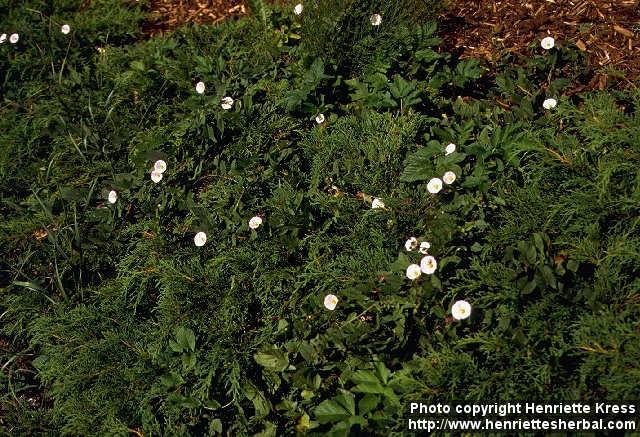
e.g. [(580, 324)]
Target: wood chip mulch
[(168, 15), (608, 31)]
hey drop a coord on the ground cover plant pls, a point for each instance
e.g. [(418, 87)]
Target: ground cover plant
[(142, 300)]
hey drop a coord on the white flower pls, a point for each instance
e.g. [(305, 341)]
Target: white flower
[(200, 87), (3, 38), (424, 247), (375, 19), (200, 238), (411, 244), (549, 103), (160, 166), (428, 264), (449, 178), (156, 176), (377, 204), (461, 310), (14, 38), (65, 29), (434, 185), (330, 302), (547, 43), (113, 196), (413, 271), (450, 149), (320, 118), (227, 102), (255, 222), (298, 9)]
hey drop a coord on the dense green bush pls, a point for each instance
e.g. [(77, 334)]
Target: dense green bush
[(116, 323)]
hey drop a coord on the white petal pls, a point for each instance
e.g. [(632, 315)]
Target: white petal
[(14, 38), (3, 38), (377, 204), (413, 271), (330, 302), (226, 103), (549, 103), (320, 118), (547, 43), (160, 166), (461, 310), (424, 247), (65, 29), (255, 222), (200, 87), (200, 239), (298, 9), (449, 177), (113, 196), (375, 19), (450, 149), (434, 186), (411, 244), (156, 176), (428, 265)]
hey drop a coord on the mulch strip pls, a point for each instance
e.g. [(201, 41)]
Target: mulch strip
[(168, 15), (607, 31)]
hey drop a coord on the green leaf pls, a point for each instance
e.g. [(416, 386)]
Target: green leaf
[(330, 411), (260, 402), (419, 165), (186, 338), (175, 346), (215, 426), (272, 359), (367, 403)]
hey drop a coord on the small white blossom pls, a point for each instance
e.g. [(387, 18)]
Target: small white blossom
[(434, 185), (14, 38), (549, 103), (227, 102), (160, 166), (255, 222), (320, 118), (156, 176), (200, 238), (65, 29), (376, 19), (330, 302), (298, 9), (3, 38), (449, 178), (424, 247), (547, 43), (113, 196), (377, 204), (411, 244), (461, 310), (428, 264), (413, 271), (450, 149), (200, 87)]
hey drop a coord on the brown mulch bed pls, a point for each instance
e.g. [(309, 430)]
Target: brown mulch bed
[(168, 15), (608, 31)]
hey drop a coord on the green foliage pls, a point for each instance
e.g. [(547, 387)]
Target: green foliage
[(116, 323)]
